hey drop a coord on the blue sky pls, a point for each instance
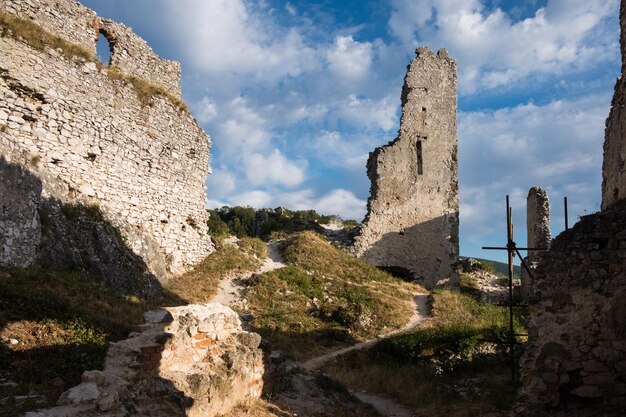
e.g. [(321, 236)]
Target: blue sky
[(294, 94)]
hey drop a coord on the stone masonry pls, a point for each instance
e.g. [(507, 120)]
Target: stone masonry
[(193, 361), (575, 359), (413, 209), (614, 167), (538, 232), (89, 140), (574, 363)]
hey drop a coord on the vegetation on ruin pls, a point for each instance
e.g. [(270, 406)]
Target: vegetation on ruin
[(325, 298), (38, 38), (61, 323), (200, 284), (450, 365), (145, 90), (241, 221)]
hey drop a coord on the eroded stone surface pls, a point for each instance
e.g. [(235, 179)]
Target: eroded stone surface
[(70, 134), (412, 219), (613, 167), (189, 361), (574, 358), (538, 233)]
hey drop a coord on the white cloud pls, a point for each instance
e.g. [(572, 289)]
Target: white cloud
[(493, 50), (205, 110), (273, 168), (221, 182), (244, 130), (339, 201), (350, 59), (366, 113), (222, 36), (557, 146)]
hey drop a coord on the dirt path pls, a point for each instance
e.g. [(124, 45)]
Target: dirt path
[(420, 314), (230, 290)]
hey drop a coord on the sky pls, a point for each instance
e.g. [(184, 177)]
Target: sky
[(295, 94)]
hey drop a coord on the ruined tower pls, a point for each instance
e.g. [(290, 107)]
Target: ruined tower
[(413, 210)]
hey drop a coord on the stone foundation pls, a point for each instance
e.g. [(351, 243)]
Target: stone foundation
[(193, 361)]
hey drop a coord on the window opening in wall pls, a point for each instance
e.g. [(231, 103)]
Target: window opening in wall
[(420, 163), (103, 49)]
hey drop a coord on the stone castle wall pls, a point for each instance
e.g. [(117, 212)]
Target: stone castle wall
[(412, 220), (81, 26), (575, 359), (613, 168), (84, 138)]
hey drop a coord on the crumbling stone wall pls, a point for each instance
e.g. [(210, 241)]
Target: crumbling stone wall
[(80, 25), (575, 358), (90, 141), (538, 233), (412, 219), (193, 361), (613, 168)]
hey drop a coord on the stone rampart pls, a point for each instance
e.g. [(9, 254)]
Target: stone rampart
[(89, 140), (413, 210), (575, 358)]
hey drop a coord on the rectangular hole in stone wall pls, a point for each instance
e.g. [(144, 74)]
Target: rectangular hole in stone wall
[(420, 163)]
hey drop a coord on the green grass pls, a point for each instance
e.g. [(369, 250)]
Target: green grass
[(200, 284), (63, 322), (325, 298), (425, 368)]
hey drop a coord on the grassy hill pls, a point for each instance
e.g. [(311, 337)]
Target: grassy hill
[(325, 298)]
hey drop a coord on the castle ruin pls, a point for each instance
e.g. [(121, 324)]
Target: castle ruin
[(575, 360), (75, 133), (413, 210)]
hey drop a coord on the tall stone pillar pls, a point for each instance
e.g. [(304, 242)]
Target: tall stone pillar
[(538, 232)]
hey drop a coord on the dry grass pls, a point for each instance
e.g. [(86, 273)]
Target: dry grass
[(468, 391), (447, 367), (40, 39), (325, 298), (146, 91), (200, 284)]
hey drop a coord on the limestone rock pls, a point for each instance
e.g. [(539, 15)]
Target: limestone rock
[(172, 368)]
